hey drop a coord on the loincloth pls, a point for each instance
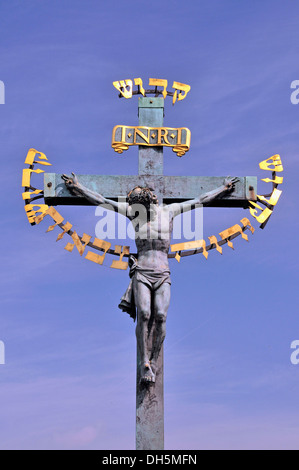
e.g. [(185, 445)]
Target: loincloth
[(152, 278)]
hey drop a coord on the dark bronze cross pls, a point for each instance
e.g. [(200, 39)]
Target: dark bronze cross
[(169, 189)]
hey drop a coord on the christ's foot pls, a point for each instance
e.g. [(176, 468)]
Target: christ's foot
[(147, 374)]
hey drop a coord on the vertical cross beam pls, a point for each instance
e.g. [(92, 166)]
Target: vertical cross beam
[(151, 114), (150, 398)]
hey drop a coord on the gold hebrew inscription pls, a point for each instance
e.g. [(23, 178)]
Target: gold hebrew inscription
[(276, 180), (125, 87), (263, 216), (159, 82), (32, 209), (214, 241), (77, 243), (33, 154), (139, 83), (272, 164), (102, 244), (181, 87), (273, 198), (192, 245), (120, 264)]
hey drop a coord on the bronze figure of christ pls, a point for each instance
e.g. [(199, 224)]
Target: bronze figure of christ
[(149, 288)]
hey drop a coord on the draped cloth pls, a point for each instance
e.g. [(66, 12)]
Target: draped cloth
[(153, 278)]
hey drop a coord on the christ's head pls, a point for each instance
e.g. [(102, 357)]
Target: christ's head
[(144, 196)]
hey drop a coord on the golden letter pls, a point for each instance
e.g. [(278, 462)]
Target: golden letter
[(119, 264), (231, 231), (119, 146), (180, 149), (144, 137), (66, 228), (263, 216), (31, 156), (164, 136), (182, 87), (122, 86), (159, 82), (245, 222), (277, 180), (272, 164), (58, 219), (139, 83), (103, 245), (28, 194), (52, 213), (214, 241), (273, 199), (77, 243), (191, 246), (31, 211), (27, 176)]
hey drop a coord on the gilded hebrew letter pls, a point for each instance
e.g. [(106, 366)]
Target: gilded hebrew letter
[(214, 241), (125, 87), (273, 199), (181, 87), (119, 264), (191, 246), (29, 194), (231, 231), (33, 209), (66, 228), (159, 82), (52, 213), (245, 222), (31, 155), (276, 180), (77, 243), (265, 214), (27, 176), (139, 83), (58, 219), (103, 245), (272, 164)]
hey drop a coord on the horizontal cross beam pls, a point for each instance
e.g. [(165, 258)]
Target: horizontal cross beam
[(170, 188)]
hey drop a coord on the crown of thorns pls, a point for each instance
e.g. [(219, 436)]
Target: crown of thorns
[(144, 193)]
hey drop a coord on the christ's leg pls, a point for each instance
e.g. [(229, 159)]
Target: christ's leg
[(161, 304), (142, 295)]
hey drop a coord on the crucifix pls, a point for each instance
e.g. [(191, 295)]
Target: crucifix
[(163, 197)]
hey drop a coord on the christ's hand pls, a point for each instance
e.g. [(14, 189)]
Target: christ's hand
[(71, 183), (230, 182)]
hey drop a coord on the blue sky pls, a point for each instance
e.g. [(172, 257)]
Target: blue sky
[(69, 377)]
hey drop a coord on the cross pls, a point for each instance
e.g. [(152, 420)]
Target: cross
[(169, 189)]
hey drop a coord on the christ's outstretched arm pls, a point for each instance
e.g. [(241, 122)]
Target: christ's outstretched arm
[(95, 198), (206, 198)]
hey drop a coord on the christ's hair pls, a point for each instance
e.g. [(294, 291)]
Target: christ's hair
[(143, 196)]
